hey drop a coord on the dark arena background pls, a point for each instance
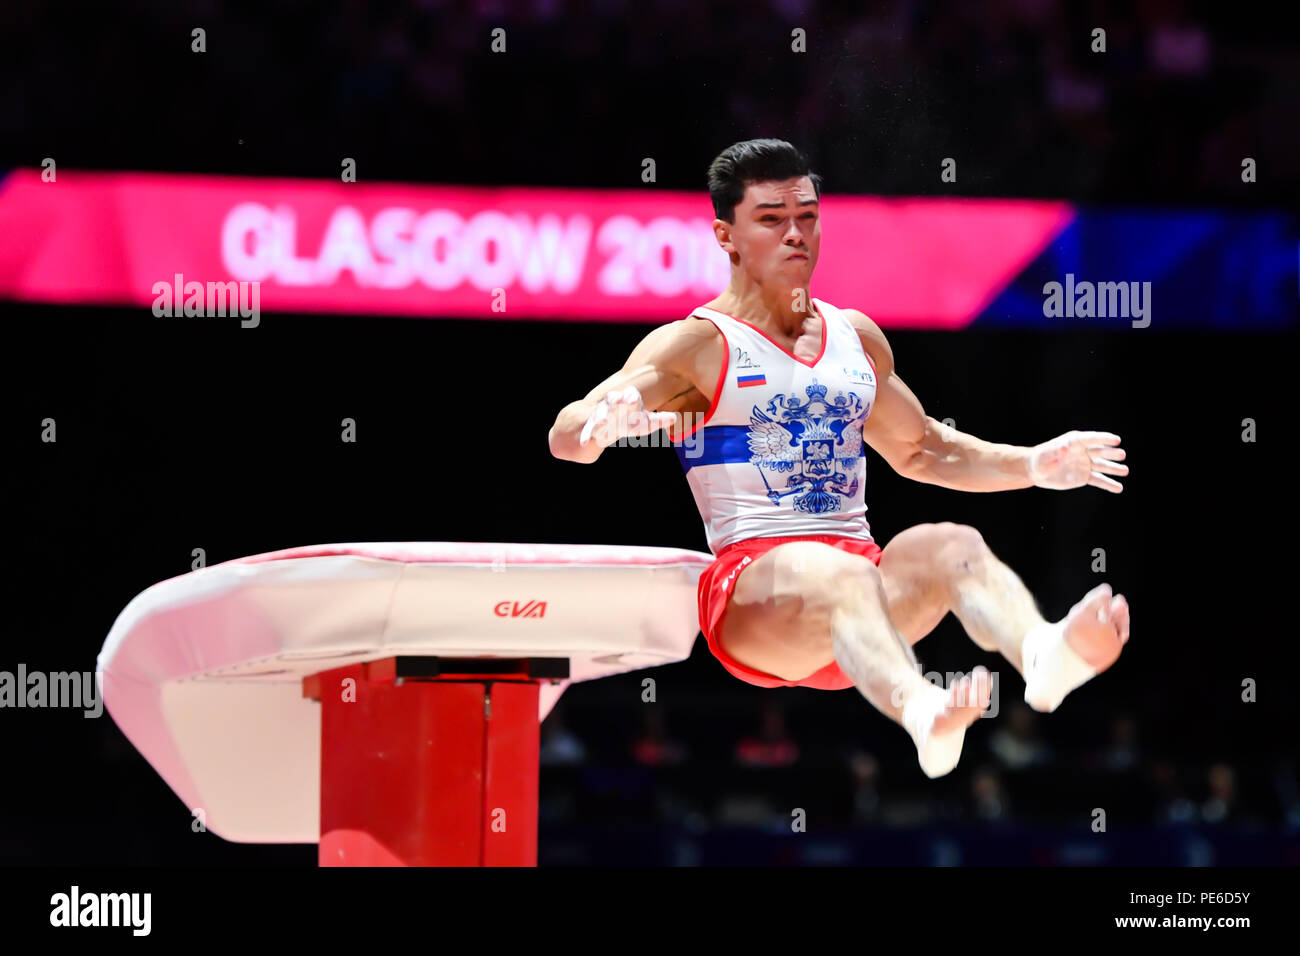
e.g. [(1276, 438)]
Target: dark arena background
[(551, 158)]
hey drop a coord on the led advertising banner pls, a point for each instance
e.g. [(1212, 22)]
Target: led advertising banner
[(634, 255)]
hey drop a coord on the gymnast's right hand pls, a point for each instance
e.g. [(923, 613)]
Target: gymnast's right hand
[(621, 414)]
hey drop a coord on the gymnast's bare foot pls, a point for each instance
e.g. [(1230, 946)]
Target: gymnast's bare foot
[(1097, 627), (1061, 657), (968, 698)]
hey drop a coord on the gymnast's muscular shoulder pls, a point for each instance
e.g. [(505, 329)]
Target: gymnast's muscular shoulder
[(675, 367), (873, 343)]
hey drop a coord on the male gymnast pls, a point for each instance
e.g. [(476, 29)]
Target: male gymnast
[(784, 390)]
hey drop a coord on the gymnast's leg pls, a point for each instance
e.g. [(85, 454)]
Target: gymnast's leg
[(804, 604), (931, 569)]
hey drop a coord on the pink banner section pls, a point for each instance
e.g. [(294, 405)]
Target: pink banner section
[(506, 253)]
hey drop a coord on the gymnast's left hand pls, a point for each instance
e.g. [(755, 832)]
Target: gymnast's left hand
[(1076, 459)]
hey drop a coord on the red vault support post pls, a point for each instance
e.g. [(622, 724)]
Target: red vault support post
[(430, 761)]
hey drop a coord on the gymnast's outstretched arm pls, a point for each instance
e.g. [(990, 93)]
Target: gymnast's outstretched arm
[(662, 376), (924, 449)]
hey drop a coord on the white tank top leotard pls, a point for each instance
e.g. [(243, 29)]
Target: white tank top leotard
[(780, 451)]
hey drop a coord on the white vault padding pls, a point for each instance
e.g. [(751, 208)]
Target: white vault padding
[(203, 672)]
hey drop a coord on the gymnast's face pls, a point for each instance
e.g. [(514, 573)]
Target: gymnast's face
[(777, 233)]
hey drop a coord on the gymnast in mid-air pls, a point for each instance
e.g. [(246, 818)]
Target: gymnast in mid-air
[(779, 393)]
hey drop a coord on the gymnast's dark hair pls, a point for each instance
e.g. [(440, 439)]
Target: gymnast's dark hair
[(754, 160)]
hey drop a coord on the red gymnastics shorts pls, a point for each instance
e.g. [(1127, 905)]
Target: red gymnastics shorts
[(718, 581)]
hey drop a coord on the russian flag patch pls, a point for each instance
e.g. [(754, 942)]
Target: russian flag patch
[(745, 381)]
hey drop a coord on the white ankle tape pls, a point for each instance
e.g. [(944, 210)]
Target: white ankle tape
[(936, 753), (1052, 668)]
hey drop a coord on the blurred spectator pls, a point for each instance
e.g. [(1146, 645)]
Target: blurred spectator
[(674, 807), (773, 747), (560, 746), (1288, 793), (864, 770), (654, 748), (988, 796), (1123, 753), (888, 84), (1016, 744), (1181, 49), (1222, 800), (1174, 805), (917, 811), (747, 810)]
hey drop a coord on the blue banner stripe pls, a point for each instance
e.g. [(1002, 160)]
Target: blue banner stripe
[(717, 445), (1226, 270), (714, 445)]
